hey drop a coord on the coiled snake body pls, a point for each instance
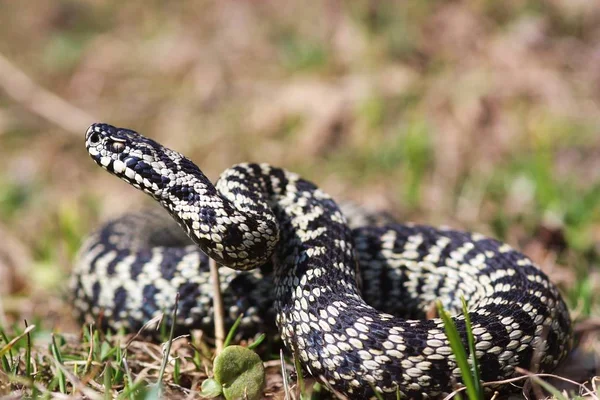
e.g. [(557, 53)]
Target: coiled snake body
[(306, 255)]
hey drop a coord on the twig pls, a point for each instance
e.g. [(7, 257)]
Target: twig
[(88, 362), (217, 305), (286, 387), (167, 348), (530, 374), (154, 322), (77, 384), (587, 325), (40, 101), (519, 378), (10, 344)]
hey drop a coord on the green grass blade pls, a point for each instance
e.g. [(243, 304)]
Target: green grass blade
[(471, 341), (6, 365), (108, 381), (10, 344), (299, 374), (15, 367), (459, 352), (62, 380), (28, 368), (257, 342), (119, 377), (130, 387), (177, 371), (231, 332), (317, 392), (91, 337), (107, 351), (136, 390), (97, 343), (378, 395)]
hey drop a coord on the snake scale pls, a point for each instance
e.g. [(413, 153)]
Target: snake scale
[(294, 259)]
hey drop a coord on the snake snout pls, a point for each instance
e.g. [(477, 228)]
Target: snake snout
[(96, 132)]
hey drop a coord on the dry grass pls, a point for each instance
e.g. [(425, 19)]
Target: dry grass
[(477, 114)]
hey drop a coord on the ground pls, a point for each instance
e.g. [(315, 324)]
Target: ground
[(477, 114)]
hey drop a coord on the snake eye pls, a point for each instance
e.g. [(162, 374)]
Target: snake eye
[(94, 138), (117, 147)]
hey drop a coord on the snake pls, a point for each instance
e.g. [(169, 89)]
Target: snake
[(349, 294)]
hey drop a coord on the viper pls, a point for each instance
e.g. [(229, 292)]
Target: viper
[(350, 301)]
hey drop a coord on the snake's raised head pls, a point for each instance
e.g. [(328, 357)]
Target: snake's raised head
[(129, 155), (107, 140)]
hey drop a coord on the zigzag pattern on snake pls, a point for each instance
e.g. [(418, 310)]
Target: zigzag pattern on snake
[(309, 267)]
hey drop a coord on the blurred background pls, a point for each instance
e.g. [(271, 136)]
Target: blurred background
[(479, 114)]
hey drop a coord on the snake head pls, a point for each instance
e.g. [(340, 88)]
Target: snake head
[(128, 155), (103, 140)]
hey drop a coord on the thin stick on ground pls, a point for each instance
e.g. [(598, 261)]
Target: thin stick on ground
[(167, 349), (40, 101), (286, 387), (88, 362), (527, 375), (8, 346), (217, 306)]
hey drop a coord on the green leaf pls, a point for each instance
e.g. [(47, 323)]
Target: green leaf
[(240, 372), (211, 388)]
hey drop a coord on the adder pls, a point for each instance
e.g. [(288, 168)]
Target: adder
[(294, 261)]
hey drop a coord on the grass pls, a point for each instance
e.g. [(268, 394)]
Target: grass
[(472, 383), (468, 365), (468, 114), (98, 367), (104, 371)]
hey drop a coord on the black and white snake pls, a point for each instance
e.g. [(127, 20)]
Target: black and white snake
[(295, 259)]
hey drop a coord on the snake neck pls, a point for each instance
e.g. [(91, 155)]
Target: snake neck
[(218, 219), (315, 252)]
